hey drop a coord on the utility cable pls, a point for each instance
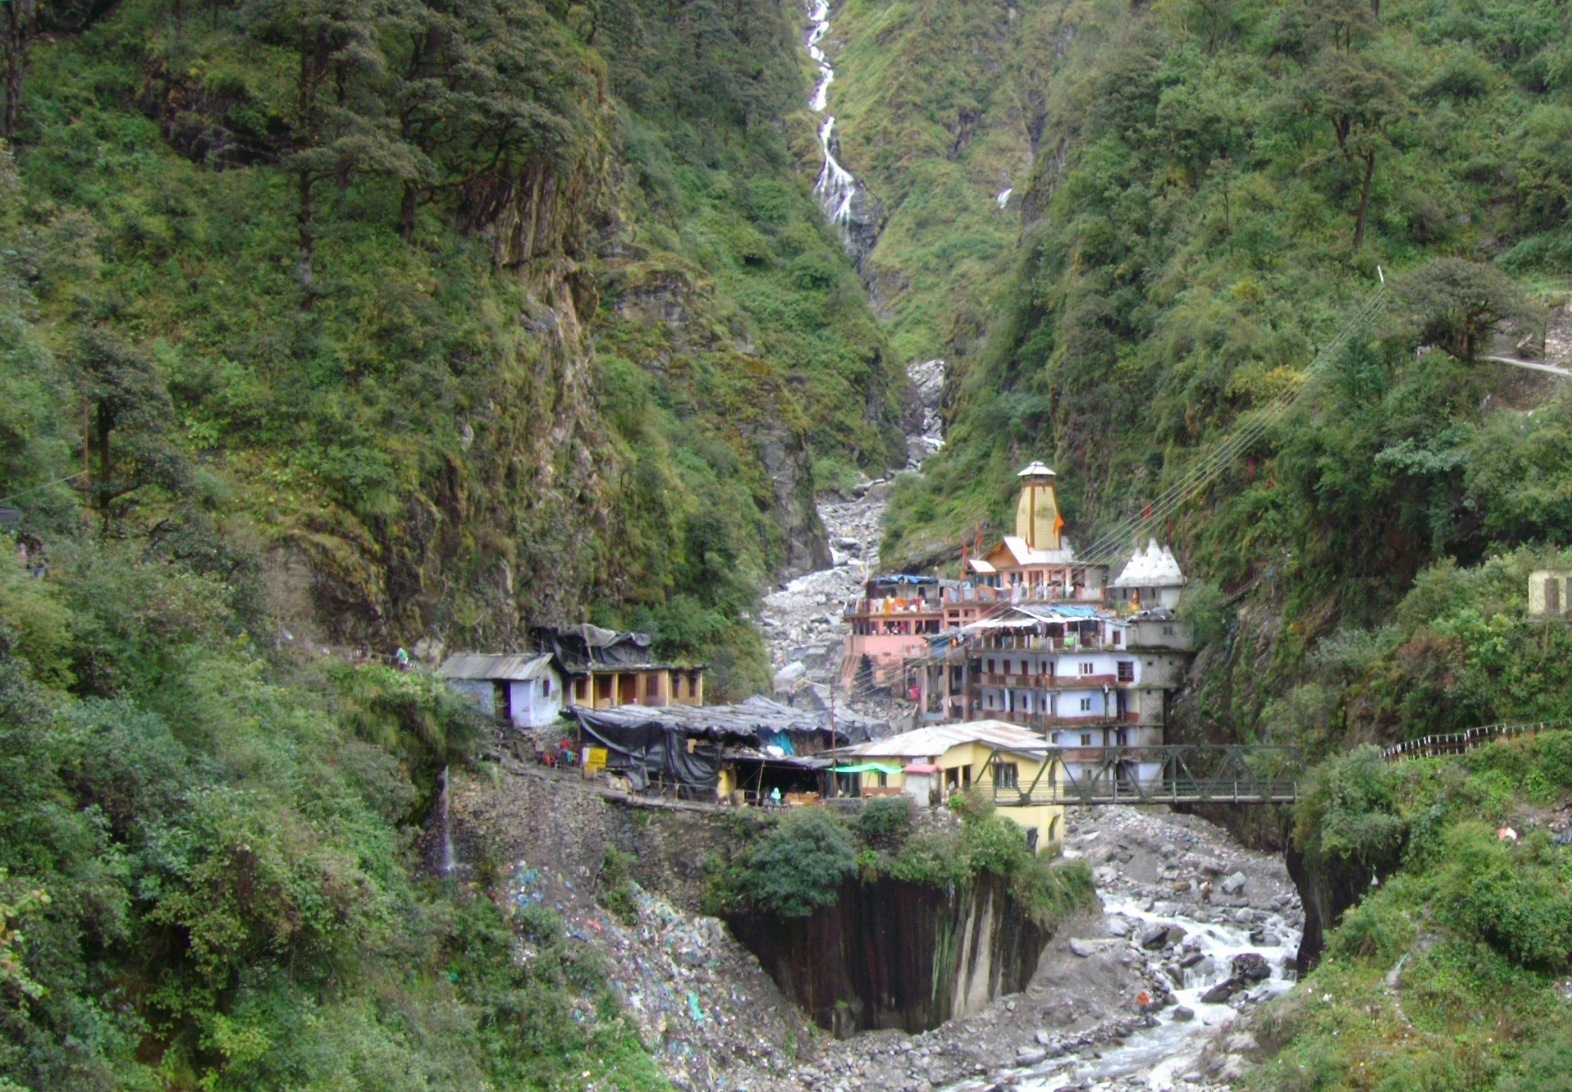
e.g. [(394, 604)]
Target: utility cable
[(1207, 469), (46, 485)]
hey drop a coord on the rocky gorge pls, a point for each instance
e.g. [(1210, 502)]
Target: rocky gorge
[(1193, 931)]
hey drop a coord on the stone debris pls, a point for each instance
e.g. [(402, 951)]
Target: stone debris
[(801, 619)]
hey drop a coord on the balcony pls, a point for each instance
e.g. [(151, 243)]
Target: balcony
[(1050, 722)]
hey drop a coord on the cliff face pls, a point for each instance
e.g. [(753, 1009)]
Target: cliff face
[(892, 954)]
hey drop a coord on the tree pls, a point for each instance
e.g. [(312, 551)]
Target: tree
[(17, 24), (341, 127), (1454, 303), (129, 420), (486, 91), (1361, 99)]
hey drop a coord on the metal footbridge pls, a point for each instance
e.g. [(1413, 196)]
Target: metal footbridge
[(1179, 774)]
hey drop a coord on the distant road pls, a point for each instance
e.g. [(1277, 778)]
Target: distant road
[(1532, 365)]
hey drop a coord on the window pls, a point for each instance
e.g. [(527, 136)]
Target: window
[(1126, 671), (1086, 739), (545, 688), (990, 665), (1086, 705), (1086, 667), (1007, 667), (1006, 776), (1168, 631)]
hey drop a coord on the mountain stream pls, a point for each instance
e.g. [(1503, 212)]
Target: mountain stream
[(836, 188)]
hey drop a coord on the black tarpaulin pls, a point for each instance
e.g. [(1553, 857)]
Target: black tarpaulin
[(649, 749)]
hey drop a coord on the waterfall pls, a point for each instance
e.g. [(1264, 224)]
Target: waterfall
[(445, 861), (835, 187), (1004, 196)]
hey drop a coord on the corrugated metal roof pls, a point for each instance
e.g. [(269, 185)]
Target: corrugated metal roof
[(935, 741), (1026, 555), (497, 667)]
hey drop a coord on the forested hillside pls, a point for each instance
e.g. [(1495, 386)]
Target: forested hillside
[(1219, 187), (365, 254), (355, 322)]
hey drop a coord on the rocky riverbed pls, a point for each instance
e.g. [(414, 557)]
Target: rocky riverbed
[(1195, 930), (1190, 920), (802, 619)]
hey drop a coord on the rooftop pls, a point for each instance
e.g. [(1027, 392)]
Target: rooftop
[(935, 741), (494, 667), (1153, 567), (745, 720)]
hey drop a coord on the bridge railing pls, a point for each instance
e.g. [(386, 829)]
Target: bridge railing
[(1181, 773), (1453, 743)]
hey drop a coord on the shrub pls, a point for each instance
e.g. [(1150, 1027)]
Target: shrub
[(886, 822), (1491, 891), (616, 892), (798, 867)]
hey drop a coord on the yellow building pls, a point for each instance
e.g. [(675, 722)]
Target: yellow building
[(946, 759)]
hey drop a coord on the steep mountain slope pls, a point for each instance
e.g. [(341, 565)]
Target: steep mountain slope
[(1219, 187), (371, 261), (1219, 183), (940, 109), (341, 322)]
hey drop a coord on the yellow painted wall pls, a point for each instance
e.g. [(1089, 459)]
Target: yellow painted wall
[(1047, 818)]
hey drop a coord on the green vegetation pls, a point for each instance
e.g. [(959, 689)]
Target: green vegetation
[(1451, 973), (939, 108), (1217, 184), (477, 315), (210, 874), (794, 865), (326, 316)]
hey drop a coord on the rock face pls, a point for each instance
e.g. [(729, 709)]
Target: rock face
[(784, 456), (1326, 889), (892, 954)]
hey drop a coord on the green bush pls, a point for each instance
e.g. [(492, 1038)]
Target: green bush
[(799, 866), (1490, 889), (885, 822), (615, 890)]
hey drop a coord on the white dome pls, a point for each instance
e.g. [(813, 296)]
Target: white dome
[(1153, 567)]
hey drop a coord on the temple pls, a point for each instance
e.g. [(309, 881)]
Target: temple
[(1033, 636)]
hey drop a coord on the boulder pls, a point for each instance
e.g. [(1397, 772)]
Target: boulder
[(1221, 992), (1183, 1013), (1118, 926), (1251, 967), (1083, 948), (1234, 884), (1030, 1056), (1153, 936)]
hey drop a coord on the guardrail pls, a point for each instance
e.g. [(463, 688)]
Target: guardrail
[(1453, 743)]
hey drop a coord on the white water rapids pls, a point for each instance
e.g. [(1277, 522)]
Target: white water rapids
[(835, 187), (1157, 1056)]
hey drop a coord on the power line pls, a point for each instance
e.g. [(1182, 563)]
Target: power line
[(1207, 469), (46, 485)]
